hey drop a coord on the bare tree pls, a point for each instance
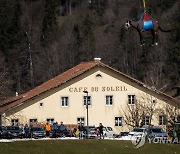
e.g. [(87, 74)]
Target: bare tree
[(144, 106), (133, 114), (172, 113)]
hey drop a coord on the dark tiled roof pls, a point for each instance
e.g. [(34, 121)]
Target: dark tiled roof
[(63, 78)]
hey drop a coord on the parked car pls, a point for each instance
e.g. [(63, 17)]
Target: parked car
[(122, 134), (38, 132), (11, 132), (137, 132), (108, 132), (90, 132), (63, 132), (157, 132), (2, 131), (152, 131)]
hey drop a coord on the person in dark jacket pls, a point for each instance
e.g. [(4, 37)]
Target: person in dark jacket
[(81, 129), (62, 129), (26, 131), (101, 131), (54, 129)]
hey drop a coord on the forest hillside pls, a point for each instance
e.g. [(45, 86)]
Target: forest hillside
[(40, 39)]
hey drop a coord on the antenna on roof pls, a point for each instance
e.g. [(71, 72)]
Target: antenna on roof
[(97, 59)]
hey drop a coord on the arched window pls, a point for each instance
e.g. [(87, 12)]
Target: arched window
[(98, 76)]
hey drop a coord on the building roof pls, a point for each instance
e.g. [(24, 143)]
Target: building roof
[(65, 77)]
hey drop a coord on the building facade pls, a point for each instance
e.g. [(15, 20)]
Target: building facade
[(110, 94)]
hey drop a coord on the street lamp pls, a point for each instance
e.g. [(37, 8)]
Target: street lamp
[(87, 111)]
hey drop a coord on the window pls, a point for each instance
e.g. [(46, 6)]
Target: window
[(146, 120), (14, 122), (87, 98), (33, 120), (50, 120), (162, 120), (64, 101), (98, 76), (80, 120), (131, 99), (118, 121), (109, 100)]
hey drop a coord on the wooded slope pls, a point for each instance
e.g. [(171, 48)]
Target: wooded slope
[(40, 39)]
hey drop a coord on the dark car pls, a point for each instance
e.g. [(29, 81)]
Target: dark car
[(122, 134), (13, 132), (38, 132), (2, 131), (62, 131)]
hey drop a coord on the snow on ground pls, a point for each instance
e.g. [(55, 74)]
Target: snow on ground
[(63, 138)]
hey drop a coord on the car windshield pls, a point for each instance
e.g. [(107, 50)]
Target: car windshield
[(62, 128), (137, 130), (109, 128), (124, 133), (12, 128), (2, 128), (37, 129), (157, 130)]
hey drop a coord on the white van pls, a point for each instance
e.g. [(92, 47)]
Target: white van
[(108, 132)]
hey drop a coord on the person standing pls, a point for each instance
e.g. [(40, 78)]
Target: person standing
[(47, 129), (31, 130), (26, 131), (62, 129), (81, 129), (54, 129), (101, 130)]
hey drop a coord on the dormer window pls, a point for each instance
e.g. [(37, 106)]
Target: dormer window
[(98, 76)]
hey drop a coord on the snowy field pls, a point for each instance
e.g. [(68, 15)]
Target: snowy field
[(63, 138)]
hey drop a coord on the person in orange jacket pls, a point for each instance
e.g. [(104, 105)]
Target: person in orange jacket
[(47, 129)]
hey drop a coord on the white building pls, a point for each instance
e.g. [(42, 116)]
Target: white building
[(63, 98)]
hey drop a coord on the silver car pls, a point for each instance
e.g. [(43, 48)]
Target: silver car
[(157, 132), (38, 132)]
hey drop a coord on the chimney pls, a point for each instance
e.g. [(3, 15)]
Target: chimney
[(16, 93), (97, 59)]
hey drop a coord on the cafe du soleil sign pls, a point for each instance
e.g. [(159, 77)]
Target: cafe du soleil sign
[(97, 89)]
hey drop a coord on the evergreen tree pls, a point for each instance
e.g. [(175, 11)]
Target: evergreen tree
[(10, 27), (88, 38), (99, 6), (49, 25)]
